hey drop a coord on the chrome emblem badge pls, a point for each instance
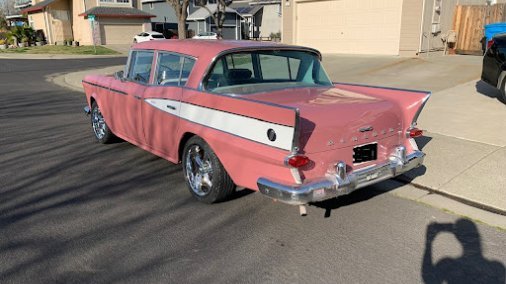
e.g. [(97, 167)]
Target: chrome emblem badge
[(366, 128)]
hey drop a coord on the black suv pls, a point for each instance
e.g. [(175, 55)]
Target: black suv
[(494, 64)]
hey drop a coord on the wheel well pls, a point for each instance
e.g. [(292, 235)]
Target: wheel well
[(183, 141), (92, 100)]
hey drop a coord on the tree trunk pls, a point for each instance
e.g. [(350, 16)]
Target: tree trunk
[(181, 27)]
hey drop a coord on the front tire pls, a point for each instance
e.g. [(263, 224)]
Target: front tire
[(102, 132), (205, 176)]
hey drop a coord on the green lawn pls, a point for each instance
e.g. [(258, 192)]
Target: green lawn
[(60, 49)]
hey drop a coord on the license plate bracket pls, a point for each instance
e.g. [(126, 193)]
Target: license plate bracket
[(365, 153)]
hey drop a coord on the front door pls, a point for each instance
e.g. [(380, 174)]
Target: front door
[(130, 91)]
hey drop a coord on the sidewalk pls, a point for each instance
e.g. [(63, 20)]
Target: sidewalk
[(465, 140)]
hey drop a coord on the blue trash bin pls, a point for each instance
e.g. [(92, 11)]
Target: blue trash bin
[(493, 29)]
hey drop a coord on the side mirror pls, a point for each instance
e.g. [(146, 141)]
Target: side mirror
[(119, 76)]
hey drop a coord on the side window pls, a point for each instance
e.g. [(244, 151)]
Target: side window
[(186, 70), (140, 66), (216, 78), (173, 70), (169, 69), (240, 69)]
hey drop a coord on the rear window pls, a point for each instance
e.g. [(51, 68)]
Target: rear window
[(264, 70), (157, 36)]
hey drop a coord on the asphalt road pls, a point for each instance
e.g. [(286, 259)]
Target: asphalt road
[(74, 211)]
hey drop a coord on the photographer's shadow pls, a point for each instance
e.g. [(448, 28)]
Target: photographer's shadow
[(470, 267)]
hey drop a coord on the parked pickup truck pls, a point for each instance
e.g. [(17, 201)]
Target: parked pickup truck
[(263, 116)]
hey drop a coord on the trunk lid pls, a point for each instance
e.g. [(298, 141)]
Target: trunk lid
[(334, 118)]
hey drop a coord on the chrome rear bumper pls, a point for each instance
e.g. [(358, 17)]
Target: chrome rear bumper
[(341, 183)]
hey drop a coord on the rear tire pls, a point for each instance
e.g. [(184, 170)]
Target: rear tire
[(205, 176), (102, 132)]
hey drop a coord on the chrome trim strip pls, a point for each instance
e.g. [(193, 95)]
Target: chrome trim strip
[(118, 92), (106, 88), (339, 183), (296, 134)]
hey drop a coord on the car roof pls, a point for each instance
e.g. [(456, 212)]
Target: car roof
[(205, 51), (200, 48)]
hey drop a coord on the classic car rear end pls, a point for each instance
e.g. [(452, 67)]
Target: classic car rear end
[(256, 115), (352, 136)]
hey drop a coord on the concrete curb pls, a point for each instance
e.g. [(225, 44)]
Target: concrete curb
[(457, 198)]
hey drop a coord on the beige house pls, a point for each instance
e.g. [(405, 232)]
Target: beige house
[(114, 21), (388, 27)]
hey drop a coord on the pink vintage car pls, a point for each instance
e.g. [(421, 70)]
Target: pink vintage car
[(263, 116)]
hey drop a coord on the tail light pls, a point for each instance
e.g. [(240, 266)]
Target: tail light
[(414, 132), (297, 161), (490, 43)]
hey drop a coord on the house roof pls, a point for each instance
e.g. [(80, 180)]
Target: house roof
[(202, 13), (116, 12), (248, 10), (37, 7)]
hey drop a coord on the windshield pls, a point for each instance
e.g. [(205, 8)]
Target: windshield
[(260, 71)]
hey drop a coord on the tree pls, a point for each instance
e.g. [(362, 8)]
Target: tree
[(218, 15), (181, 9), (7, 7)]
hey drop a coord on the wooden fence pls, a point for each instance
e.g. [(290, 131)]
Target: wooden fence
[(469, 22)]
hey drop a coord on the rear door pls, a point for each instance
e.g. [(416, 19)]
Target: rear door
[(162, 102)]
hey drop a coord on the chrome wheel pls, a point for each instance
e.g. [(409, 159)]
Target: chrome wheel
[(199, 170), (98, 123)]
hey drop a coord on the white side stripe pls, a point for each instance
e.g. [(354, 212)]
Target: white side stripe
[(246, 127)]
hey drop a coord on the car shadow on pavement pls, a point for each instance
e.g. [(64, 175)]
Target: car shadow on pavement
[(469, 267), (487, 90), (358, 196)]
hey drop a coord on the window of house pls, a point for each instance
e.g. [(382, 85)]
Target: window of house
[(140, 66)]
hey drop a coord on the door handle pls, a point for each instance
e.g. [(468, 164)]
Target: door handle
[(137, 97), (171, 107)]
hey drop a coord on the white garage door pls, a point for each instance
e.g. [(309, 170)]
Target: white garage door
[(114, 33), (350, 26)]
